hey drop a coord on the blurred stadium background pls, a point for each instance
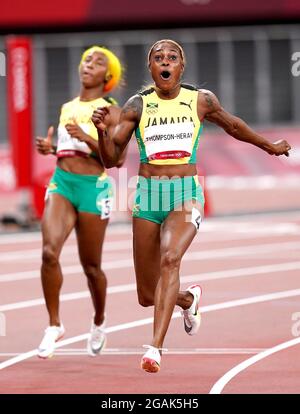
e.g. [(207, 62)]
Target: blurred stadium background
[(241, 51)]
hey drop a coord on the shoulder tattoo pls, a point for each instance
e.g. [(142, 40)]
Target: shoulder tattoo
[(135, 105), (209, 100)]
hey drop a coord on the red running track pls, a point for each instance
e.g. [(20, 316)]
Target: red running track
[(249, 270)]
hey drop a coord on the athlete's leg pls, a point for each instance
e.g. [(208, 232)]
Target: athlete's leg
[(58, 220), (177, 234), (90, 230), (146, 252)]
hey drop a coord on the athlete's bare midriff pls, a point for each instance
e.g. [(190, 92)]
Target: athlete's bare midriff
[(80, 165), (181, 170)]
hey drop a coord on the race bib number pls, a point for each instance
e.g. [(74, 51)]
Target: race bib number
[(169, 141), (46, 194), (106, 208), (196, 218)]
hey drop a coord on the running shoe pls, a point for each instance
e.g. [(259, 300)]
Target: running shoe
[(151, 359), (96, 340), (191, 316), (52, 335)]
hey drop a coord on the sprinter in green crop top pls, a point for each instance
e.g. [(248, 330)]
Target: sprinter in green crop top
[(167, 119)]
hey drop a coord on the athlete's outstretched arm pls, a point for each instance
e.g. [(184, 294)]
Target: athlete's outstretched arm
[(114, 136), (209, 108)]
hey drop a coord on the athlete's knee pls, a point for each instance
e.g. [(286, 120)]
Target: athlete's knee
[(50, 255), (93, 271), (170, 258), (145, 300)]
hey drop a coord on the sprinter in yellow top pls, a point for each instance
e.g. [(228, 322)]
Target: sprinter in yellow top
[(169, 130), (78, 112), (79, 195), (168, 210)]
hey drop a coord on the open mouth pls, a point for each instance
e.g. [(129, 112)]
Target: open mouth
[(165, 75)]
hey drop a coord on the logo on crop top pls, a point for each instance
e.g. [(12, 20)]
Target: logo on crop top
[(52, 186), (152, 108), (187, 104)]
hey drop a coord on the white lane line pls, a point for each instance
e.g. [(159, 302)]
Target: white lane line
[(68, 250), (36, 236), (73, 340), (210, 225), (223, 381), (147, 321), (253, 299), (244, 233), (222, 274), (67, 270), (221, 253), (109, 246), (175, 351), (66, 297), (139, 351)]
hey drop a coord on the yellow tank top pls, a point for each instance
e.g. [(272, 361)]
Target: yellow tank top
[(169, 129), (81, 113)]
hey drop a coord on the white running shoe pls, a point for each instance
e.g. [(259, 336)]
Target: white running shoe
[(151, 359), (191, 316), (96, 340), (52, 335)]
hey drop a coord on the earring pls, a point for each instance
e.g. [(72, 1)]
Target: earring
[(108, 77)]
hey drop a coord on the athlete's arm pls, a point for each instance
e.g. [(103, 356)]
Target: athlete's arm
[(122, 158), (114, 137), (115, 116), (75, 131), (44, 145), (209, 108)]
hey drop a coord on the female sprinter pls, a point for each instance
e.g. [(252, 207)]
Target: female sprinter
[(79, 195), (167, 120)]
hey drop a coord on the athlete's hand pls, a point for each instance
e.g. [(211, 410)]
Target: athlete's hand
[(76, 132), (44, 144), (281, 147), (100, 118)]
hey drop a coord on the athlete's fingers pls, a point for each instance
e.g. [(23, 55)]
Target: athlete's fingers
[(96, 118), (50, 133), (71, 127), (74, 120), (102, 112)]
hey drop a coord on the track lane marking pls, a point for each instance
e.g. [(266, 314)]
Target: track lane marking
[(226, 378), (126, 244), (221, 253), (147, 321), (218, 275), (135, 351)]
